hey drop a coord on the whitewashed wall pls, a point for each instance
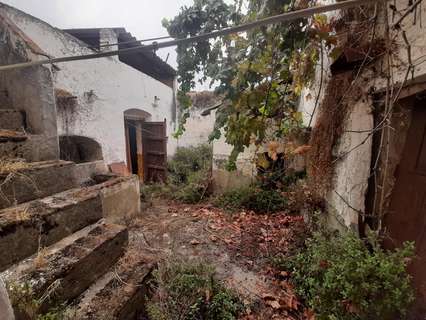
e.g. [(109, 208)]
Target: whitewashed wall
[(104, 88), (197, 129)]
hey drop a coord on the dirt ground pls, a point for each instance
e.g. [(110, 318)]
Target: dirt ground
[(239, 245)]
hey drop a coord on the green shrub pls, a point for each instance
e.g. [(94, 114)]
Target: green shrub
[(339, 277), (191, 291), (196, 188), (189, 177), (252, 198), (188, 160)]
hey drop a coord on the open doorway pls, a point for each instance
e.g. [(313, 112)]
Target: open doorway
[(146, 146)]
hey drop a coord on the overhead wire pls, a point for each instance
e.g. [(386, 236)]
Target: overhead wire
[(285, 17), (133, 42)]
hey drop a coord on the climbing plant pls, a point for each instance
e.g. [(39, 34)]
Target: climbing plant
[(260, 73)]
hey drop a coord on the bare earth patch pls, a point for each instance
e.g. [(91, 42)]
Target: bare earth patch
[(239, 246)]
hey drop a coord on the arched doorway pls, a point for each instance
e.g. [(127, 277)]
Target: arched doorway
[(146, 145)]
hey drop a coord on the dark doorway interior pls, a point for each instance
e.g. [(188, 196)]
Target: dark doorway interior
[(133, 147)]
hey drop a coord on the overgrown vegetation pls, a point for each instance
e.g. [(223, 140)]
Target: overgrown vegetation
[(340, 276), (189, 177), (190, 291), (275, 189), (252, 198), (260, 73), (27, 306)]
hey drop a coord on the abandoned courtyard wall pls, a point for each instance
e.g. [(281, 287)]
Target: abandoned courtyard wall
[(199, 125), (103, 89)]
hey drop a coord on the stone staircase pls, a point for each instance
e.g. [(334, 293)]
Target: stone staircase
[(59, 238)]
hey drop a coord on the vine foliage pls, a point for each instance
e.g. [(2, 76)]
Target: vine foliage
[(260, 73)]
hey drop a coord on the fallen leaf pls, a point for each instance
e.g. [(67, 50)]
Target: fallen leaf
[(195, 242), (273, 303)]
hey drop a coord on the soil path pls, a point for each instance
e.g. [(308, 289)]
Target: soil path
[(239, 246)]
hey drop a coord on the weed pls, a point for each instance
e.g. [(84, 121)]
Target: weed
[(188, 160), (190, 290), (22, 213), (340, 277), (27, 306), (40, 260), (252, 198)]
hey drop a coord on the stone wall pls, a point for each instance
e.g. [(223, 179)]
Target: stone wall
[(30, 89)]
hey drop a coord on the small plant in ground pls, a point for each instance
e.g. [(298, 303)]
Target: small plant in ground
[(190, 291), (252, 198), (196, 188), (340, 277), (189, 177)]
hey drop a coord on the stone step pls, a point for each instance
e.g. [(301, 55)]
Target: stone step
[(12, 119), (66, 269), (12, 136), (5, 100), (25, 227), (33, 148), (22, 181), (44, 221), (120, 294)]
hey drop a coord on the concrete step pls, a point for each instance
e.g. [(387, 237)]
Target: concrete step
[(25, 227), (120, 294), (22, 182), (12, 119), (66, 269), (33, 148)]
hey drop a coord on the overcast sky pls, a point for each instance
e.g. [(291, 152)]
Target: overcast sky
[(140, 17)]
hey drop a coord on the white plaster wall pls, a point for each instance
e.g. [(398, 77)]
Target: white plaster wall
[(309, 97), (104, 88), (415, 30), (197, 129), (352, 172)]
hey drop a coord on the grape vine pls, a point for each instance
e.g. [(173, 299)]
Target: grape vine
[(260, 74)]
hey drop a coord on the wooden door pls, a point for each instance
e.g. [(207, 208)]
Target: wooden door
[(406, 220), (154, 141)]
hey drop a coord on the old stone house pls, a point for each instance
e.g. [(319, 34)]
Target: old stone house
[(369, 128), (120, 109)]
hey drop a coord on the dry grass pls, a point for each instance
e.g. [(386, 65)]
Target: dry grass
[(328, 129), (8, 166), (22, 213), (40, 260)]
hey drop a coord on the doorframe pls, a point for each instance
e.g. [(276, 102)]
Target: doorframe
[(135, 117)]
